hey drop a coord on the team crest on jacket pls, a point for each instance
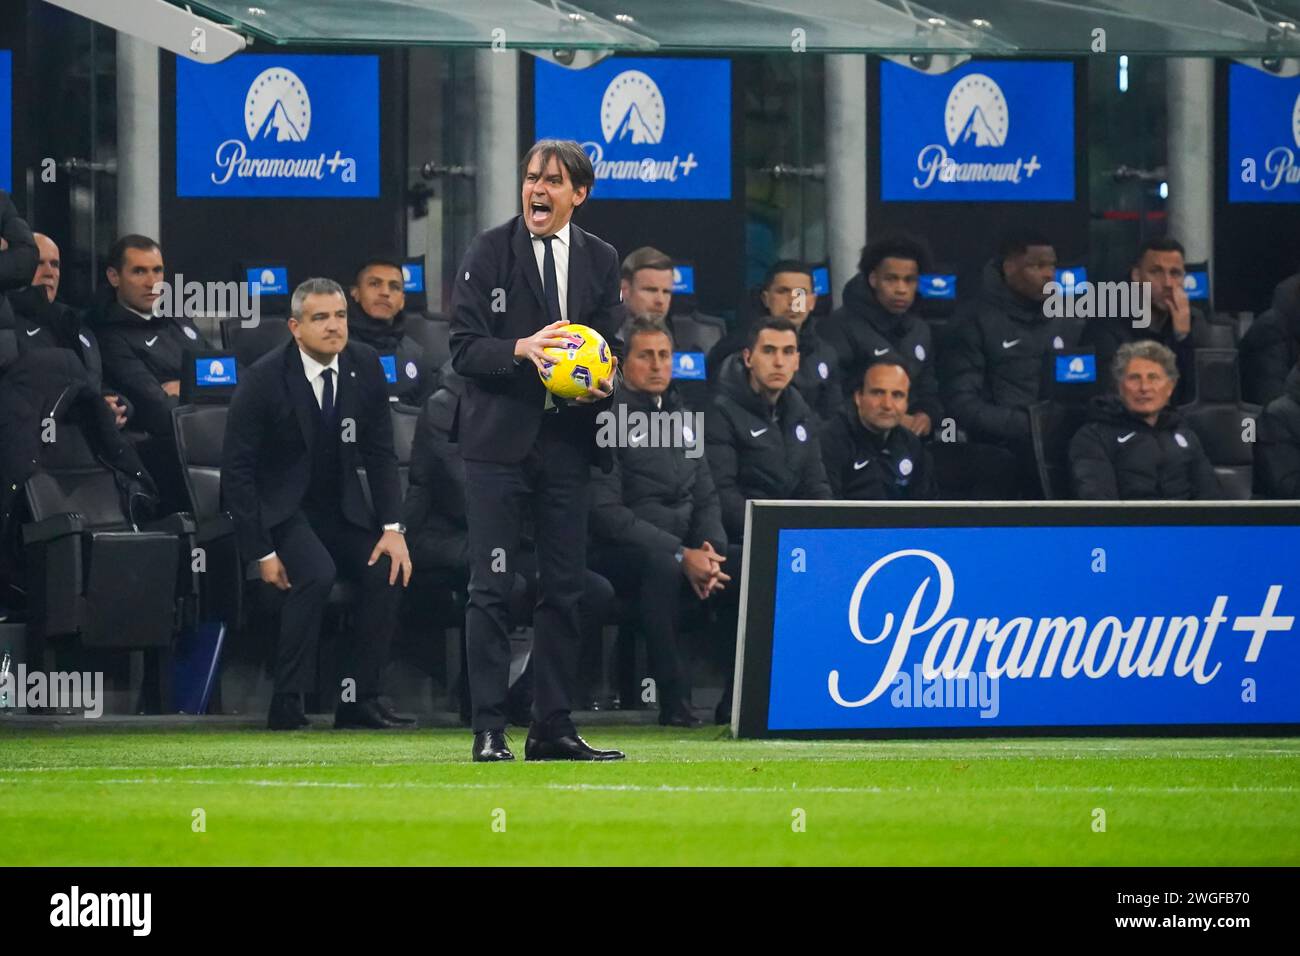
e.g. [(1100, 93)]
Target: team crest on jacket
[(905, 467), (191, 333), (920, 352), (823, 370), (800, 433), (1182, 441)]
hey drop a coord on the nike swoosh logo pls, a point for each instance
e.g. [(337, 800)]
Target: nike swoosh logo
[(755, 434), (879, 352), (150, 342), (635, 439), (1007, 345), (859, 465), (31, 332), (1123, 438)]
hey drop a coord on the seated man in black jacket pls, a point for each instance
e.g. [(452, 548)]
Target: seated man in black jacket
[(18, 257), (1277, 445), (761, 442), (42, 322), (438, 537), (656, 523), (994, 366), (869, 454), (877, 318), (375, 316), (143, 351), (1174, 323), (1271, 346), (1135, 447)]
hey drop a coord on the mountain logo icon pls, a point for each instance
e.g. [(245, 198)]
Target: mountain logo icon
[(1295, 120), (632, 109), (277, 107), (976, 112)]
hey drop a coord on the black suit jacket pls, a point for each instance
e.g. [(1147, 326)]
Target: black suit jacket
[(500, 413), (270, 431)]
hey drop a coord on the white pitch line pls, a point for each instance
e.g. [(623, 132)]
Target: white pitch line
[(665, 788)]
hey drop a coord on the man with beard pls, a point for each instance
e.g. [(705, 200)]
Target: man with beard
[(375, 316)]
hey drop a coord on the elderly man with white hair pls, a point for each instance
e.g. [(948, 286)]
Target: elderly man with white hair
[(1134, 446)]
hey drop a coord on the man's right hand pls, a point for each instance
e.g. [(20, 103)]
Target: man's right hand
[(172, 387), (118, 408), (544, 338), (273, 572)]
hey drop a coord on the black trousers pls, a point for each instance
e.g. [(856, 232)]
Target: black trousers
[(315, 550), (652, 582), (553, 482)]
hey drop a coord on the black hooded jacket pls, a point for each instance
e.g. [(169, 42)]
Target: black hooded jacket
[(1277, 444), (865, 465), (1271, 347), (417, 376), (656, 497), (758, 450), (1117, 456), (994, 365), (139, 355), (862, 329)]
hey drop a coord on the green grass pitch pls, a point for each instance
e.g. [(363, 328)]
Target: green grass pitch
[(127, 796)]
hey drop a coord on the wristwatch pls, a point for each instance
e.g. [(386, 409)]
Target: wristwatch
[(398, 527)]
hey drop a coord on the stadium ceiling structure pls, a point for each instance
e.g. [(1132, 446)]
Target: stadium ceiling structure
[(576, 34)]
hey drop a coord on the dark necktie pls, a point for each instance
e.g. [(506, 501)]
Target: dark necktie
[(327, 398), (550, 283)]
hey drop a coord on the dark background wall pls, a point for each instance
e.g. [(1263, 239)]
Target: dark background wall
[(1256, 245), (711, 233), (963, 236), (205, 238)]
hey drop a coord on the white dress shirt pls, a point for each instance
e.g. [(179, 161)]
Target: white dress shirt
[(560, 247), (314, 371)]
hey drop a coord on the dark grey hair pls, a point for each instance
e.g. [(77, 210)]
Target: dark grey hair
[(1147, 349), (316, 286), (645, 325)]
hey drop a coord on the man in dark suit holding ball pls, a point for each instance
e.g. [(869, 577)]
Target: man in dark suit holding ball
[(524, 448)]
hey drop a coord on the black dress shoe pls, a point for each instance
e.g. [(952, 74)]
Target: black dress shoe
[(364, 714), (679, 716), (490, 746), (393, 716), (566, 748), (286, 713)]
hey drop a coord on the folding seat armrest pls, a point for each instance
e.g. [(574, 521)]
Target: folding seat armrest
[(215, 528), (178, 522), (52, 528)]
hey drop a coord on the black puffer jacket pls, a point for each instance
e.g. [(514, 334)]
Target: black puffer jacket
[(417, 376), (656, 497), (1119, 457), (1277, 445), (1271, 347), (42, 324), (863, 465), (818, 377), (18, 261), (1106, 335), (758, 450), (994, 368), (139, 355), (862, 329)]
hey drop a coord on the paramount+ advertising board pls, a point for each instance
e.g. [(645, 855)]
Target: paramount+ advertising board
[(654, 128), (266, 125), (968, 621), (1263, 136), (984, 132)]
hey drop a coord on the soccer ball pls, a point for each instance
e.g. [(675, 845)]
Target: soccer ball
[(579, 365)]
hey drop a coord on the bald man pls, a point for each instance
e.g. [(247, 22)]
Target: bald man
[(42, 322)]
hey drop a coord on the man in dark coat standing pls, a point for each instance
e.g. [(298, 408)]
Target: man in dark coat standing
[(520, 282), (305, 418)]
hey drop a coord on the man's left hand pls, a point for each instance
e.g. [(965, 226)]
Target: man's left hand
[(393, 544), (603, 388)]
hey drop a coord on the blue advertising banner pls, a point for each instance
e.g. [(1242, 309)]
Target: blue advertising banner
[(1263, 136), (937, 285), (412, 277), (689, 366), (683, 280), (6, 121), (268, 125), (986, 131), (654, 128), (1197, 285), (1015, 627), (274, 280)]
